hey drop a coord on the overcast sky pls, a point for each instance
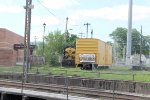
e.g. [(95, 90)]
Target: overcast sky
[(103, 15)]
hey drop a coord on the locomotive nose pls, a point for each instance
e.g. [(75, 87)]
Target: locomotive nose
[(70, 51)]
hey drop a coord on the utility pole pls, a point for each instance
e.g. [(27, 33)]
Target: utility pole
[(43, 38), (35, 38), (124, 52), (87, 24), (141, 46), (81, 34), (66, 30), (129, 34), (26, 64), (92, 33)]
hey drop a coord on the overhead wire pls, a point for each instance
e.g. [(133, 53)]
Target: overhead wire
[(50, 12), (56, 15), (46, 8)]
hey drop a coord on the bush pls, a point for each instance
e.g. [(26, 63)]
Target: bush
[(53, 59)]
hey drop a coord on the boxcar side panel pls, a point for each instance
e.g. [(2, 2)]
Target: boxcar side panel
[(86, 46), (108, 54), (90, 46), (101, 59)]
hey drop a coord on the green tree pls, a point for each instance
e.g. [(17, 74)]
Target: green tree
[(146, 42), (39, 48), (120, 38), (135, 41), (110, 43), (119, 35), (71, 41), (54, 46)]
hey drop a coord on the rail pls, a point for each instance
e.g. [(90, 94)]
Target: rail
[(76, 90)]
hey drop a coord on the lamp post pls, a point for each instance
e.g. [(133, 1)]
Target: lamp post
[(43, 36), (35, 38)]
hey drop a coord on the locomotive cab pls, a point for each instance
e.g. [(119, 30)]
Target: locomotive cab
[(69, 57)]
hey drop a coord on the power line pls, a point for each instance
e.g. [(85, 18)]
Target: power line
[(49, 10), (61, 20), (46, 8), (54, 14)]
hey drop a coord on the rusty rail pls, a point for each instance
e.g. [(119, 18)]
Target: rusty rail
[(77, 90)]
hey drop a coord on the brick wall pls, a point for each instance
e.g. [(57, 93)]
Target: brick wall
[(8, 55)]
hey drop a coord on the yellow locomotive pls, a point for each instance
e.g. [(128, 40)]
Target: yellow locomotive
[(69, 57)]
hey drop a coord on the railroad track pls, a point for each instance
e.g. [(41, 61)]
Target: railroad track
[(115, 95)]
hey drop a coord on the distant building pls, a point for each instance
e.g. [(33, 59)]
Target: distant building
[(9, 56)]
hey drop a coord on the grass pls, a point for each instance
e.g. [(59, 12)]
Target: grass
[(117, 73)]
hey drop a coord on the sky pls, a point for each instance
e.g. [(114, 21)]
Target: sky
[(104, 16)]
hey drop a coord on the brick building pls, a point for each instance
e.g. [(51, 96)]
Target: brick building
[(9, 56)]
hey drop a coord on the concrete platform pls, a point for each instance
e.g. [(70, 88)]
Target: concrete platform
[(39, 95)]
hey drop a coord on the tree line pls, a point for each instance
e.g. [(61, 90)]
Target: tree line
[(54, 46), (56, 42), (119, 35)]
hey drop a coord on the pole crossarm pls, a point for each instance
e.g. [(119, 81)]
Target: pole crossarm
[(87, 24)]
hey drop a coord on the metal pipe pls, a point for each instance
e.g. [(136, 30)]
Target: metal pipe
[(129, 34), (141, 46)]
